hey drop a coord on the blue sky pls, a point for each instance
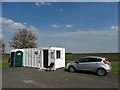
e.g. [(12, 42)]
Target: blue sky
[(77, 26)]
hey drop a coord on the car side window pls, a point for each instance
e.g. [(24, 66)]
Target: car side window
[(90, 60), (83, 60), (93, 60)]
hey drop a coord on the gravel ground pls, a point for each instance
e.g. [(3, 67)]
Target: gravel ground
[(32, 78)]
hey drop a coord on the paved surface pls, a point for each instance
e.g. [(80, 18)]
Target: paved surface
[(32, 78)]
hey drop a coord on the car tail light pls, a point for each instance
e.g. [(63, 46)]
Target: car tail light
[(105, 62)]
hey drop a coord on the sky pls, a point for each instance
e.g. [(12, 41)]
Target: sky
[(79, 27)]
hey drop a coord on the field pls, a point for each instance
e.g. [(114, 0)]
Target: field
[(69, 56), (111, 56), (5, 58)]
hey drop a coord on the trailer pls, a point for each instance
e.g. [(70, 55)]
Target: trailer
[(38, 57)]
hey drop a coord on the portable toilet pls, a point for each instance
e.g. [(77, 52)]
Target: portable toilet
[(16, 57)]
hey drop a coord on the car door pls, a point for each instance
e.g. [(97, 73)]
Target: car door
[(92, 64), (81, 65), (89, 64)]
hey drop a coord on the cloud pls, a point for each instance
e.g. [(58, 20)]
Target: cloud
[(55, 26), (114, 27), (75, 40), (37, 4), (68, 26), (10, 25), (63, 26), (82, 34), (87, 40), (42, 3)]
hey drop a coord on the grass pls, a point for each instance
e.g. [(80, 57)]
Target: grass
[(69, 57), (111, 56), (5, 58), (115, 67)]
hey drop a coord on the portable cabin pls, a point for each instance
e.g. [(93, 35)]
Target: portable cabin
[(38, 57)]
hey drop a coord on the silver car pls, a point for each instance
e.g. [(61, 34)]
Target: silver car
[(99, 65)]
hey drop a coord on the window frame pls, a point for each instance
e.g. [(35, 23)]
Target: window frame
[(58, 54)]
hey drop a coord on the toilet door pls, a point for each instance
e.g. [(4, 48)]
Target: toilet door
[(18, 58)]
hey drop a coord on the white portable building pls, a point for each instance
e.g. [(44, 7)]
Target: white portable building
[(38, 57)]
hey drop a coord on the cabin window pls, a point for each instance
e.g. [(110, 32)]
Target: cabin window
[(58, 54)]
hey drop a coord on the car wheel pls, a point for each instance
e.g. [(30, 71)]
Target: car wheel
[(72, 69), (101, 72)]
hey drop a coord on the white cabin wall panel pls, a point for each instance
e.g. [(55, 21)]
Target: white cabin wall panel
[(49, 59), (41, 61), (61, 61), (38, 58), (55, 62), (23, 62), (36, 62), (63, 57), (29, 50), (26, 57), (41, 58), (32, 57), (58, 63)]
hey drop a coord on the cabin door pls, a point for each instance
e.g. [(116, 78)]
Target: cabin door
[(45, 58)]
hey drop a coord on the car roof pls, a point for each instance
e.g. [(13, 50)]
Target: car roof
[(94, 57)]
